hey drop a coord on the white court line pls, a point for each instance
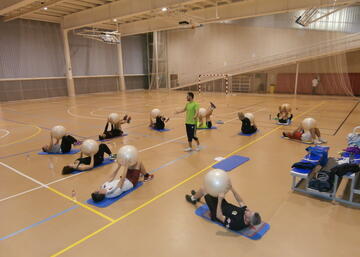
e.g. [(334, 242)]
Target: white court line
[(7, 132), (67, 177)]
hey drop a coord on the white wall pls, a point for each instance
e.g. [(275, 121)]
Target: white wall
[(208, 48)]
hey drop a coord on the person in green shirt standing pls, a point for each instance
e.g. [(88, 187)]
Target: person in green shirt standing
[(192, 113)]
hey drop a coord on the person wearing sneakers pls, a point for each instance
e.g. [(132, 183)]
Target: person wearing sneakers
[(232, 217), (116, 130), (129, 177), (311, 136), (192, 113), (207, 123)]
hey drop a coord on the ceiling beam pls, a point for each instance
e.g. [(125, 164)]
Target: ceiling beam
[(40, 17), (118, 9), (7, 6), (37, 8), (234, 11)]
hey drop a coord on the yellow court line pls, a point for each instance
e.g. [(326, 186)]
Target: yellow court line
[(25, 138), (174, 187), (81, 204)]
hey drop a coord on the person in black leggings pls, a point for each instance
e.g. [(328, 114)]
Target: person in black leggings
[(56, 147), (89, 162), (159, 123), (115, 130), (246, 127), (231, 216)]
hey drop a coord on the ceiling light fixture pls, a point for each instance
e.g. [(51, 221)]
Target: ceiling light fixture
[(114, 20), (164, 9), (45, 8)]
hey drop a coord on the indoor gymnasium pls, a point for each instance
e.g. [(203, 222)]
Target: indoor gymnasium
[(171, 128)]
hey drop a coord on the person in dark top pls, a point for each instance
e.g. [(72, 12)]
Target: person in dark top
[(159, 122), (89, 162), (129, 177), (231, 216), (246, 127), (284, 115), (115, 130), (56, 147)]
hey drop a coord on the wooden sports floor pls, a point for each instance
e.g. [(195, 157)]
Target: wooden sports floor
[(38, 216)]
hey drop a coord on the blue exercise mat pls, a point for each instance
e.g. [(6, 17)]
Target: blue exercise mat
[(247, 135), (109, 139), (231, 163), (72, 151), (213, 127), (161, 130), (105, 162), (109, 201), (346, 154), (252, 232)]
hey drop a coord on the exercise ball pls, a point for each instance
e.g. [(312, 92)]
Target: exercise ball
[(308, 123), (58, 131), (216, 181), (287, 107), (155, 113), (114, 118), (89, 147), (127, 155), (202, 112), (250, 116)]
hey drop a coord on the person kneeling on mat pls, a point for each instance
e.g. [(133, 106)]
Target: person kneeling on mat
[(231, 216), (116, 130), (88, 162), (128, 179), (56, 147), (310, 136), (247, 126), (207, 115), (159, 122)]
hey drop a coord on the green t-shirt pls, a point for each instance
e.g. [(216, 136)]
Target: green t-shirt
[(191, 109)]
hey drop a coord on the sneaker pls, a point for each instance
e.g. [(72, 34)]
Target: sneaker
[(317, 142), (212, 105), (188, 198), (197, 149), (188, 149), (322, 140), (148, 177), (113, 156)]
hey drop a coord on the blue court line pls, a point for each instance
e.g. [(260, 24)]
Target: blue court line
[(76, 206), (40, 222)]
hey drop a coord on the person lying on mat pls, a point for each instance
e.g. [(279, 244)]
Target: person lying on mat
[(284, 115), (231, 216), (311, 136), (247, 126), (128, 178), (159, 122), (116, 130), (89, 162), (56, 147), (206, 117)]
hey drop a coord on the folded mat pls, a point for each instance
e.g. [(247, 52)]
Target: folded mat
[(109, 201), (213, 127), (105, 162), (161, 130), (284, 124), (72, 151), (231, 163), (252, 232), (247, 135)]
